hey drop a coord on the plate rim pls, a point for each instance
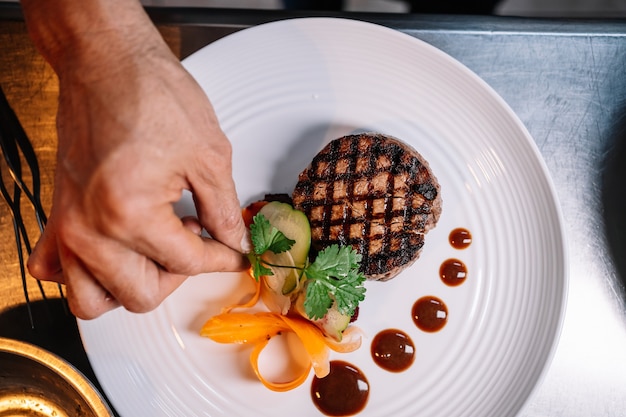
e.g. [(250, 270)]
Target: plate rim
[(554, 203)]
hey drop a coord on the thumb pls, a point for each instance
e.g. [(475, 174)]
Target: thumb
[(44, 262), (220, 214)]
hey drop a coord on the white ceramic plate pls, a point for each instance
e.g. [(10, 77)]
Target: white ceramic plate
[(282, 91)]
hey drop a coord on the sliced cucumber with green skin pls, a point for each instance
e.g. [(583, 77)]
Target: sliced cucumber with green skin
[(332, 324), (295, 225)]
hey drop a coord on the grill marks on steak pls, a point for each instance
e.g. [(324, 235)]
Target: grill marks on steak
[(373, 192)]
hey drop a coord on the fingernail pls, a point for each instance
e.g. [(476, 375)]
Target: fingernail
[(246, 242)]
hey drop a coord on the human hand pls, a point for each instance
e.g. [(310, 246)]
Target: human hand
[(134, 131)]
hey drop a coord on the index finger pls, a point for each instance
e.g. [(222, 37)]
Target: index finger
[(166, 240)]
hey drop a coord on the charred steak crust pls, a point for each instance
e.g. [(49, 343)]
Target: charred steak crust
[(375, 193)]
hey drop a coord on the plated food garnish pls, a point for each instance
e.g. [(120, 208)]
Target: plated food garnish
[(360, 211), (315, 299)]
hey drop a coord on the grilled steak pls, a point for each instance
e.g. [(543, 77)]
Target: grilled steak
[(375, 193)]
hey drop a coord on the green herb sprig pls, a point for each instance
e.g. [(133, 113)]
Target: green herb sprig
[(332, 277), (265, 237)]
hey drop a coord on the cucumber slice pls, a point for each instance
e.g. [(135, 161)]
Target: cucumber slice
[(295, 225), (332, 324)]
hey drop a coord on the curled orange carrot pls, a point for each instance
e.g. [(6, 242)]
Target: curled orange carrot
[(251, 302), (314, 343), (275, 386), (258, 328), (243, 328)]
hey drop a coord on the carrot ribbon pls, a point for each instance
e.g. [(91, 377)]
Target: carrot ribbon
[(258, 328)]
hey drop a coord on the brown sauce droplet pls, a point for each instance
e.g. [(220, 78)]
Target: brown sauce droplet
[(343, 392), (453, 272), (393, 350), (460, 238), (430, 314)]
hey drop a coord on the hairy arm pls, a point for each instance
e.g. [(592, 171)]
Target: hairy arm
[(134, 131)]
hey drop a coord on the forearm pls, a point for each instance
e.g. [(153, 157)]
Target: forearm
[(72, 34)]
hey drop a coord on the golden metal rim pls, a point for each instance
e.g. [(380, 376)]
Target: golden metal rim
[(61, 367)]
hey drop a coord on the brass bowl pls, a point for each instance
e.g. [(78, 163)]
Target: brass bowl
[(35, 382)]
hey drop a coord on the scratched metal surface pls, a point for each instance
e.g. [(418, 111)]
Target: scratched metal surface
[(569, 88), (566, 80)]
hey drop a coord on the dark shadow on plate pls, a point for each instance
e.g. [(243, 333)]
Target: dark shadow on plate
[(214, 306), (614, 200)]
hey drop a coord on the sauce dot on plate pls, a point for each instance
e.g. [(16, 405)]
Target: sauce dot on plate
[(460, 238), (343, 392), (453, 272), (430, 314), (393, 350)]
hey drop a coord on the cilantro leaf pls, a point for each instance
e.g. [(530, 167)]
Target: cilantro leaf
[(266, 237), (334, 277), (258, 269)]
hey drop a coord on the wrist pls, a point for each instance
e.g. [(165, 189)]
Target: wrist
[(90, 34)]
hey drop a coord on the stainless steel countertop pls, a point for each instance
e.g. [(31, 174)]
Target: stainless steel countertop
[(566, 80)]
